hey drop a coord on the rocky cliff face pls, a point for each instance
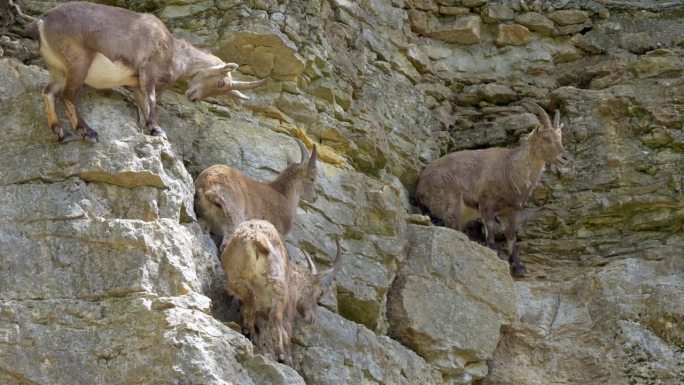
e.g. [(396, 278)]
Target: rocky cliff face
[(106, 278)]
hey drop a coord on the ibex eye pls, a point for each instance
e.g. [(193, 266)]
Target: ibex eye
[(221, 83)]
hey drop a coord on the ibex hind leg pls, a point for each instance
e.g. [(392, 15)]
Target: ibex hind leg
[(74, 81), (248, 312), (279, 335), (453, 214), (77, 120), (49, 95), (511, 233)]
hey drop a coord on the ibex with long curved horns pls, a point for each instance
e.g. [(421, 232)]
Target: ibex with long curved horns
[(108, 47), (225, 197), (492, 182)]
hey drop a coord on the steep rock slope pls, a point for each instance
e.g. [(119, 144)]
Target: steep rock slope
[(382, 87)]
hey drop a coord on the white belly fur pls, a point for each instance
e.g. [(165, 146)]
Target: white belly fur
[(103, 73), (468, 214)]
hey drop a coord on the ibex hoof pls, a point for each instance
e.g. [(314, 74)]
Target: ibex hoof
[(158, 132), (91, 137), (68, 137), (519, 270)]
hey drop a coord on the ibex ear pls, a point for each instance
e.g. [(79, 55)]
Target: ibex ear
[(229, 67)]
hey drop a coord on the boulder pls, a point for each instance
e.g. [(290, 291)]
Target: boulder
[(624, 322), (449, 288), (337, 351)]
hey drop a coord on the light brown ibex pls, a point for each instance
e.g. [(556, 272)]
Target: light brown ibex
[(108, 47), (273, 292), (225, 197), (492, 182)]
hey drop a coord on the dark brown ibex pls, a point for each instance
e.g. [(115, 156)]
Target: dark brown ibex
[(108, 47), (493, 182), (260, 275), (225, 197)]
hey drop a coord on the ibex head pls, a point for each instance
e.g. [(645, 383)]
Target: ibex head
[(306, 170), (315, 287), (218, 80), (547, 139)]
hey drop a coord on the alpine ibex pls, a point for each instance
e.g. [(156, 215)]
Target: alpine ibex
[(492, 182), (108, 47), (270, 289), (225, 196)]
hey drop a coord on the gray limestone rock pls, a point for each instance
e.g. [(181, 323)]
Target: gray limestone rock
[(96, 237), (449, 288), (337, 351), (536, 22)]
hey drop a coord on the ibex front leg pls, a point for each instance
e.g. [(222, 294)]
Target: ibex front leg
[(148, 87), (74, 81)]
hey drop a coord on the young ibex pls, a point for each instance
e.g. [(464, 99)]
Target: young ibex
[(273, 293), (108, 47), (490, 183), (225, 196)]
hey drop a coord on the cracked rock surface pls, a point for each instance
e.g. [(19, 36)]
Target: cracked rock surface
[(106, 277)]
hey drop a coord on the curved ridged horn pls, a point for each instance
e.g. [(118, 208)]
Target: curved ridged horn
[(543, 116), (241, 86), (338, 256), (312, 267), (556, 120), (304, 151), (327, 276), (312, 159)]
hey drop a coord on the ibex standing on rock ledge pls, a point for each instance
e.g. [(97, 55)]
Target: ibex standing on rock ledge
[(260, 275), (108, 47), (493, 182), (225, 197)]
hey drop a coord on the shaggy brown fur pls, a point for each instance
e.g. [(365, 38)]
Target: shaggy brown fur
[(273, 293)]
